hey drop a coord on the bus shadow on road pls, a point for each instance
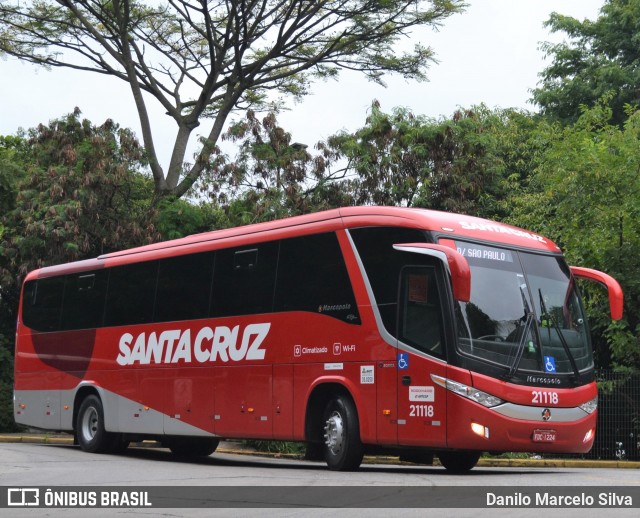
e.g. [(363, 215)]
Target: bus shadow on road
[(159, 454), (249, 461)]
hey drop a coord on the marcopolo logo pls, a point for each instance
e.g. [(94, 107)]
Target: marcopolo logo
[(206, 345)]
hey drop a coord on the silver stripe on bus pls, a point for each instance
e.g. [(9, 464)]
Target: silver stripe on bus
[(535, 413)]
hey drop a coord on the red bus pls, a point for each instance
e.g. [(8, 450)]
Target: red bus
[(356, 330)]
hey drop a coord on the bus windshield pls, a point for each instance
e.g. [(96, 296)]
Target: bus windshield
[(524, 314)]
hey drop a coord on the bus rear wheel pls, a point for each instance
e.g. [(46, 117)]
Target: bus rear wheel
[(459, 461), (343, 450), (90, 432), (193, 446)]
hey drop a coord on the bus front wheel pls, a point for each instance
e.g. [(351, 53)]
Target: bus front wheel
[(90, 432), (459, 461), (343, 450)]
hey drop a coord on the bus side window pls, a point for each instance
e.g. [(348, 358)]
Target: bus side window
[(383, 264), (43, 303), (313, 277), (421, 315), (131, 294), (84, 298), (244, 280), (184, 287)]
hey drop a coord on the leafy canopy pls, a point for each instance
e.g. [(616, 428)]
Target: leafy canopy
[(600, 58), (81, 195), (204, 59), (585, 195), (454, 164)]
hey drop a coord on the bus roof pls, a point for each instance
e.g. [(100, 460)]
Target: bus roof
[(448, 225)]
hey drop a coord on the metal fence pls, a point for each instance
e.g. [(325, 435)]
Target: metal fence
[(618, 428)]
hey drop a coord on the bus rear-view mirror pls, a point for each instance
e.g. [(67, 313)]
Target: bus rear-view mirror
[(616, 298)]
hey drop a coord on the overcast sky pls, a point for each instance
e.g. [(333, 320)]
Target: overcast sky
[(489, 54)]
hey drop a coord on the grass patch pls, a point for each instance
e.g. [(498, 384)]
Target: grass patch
[(297, 448)]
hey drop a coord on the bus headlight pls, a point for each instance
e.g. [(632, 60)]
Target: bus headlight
[(471, 393), (590, 406)]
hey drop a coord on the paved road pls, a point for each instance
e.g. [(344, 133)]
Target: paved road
[(44, 465)]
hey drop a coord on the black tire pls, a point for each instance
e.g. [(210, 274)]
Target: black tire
[(417, 457), (193, 446), (90, 432), (343, 450), (459, 461)]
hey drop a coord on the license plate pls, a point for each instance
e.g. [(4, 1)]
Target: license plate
[(544, 436)]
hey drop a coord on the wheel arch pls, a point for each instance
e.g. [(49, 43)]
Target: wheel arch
[(87, 388), (319, 396)]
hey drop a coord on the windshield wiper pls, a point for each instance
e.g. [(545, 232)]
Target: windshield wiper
[(527, 325), (563, 340)]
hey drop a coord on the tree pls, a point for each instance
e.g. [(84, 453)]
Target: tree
[(204, 59), (585, 195), (470, 163), (455, 164), (10, 172), (272, 177), (458, 164), (601, 58), (81, 196)]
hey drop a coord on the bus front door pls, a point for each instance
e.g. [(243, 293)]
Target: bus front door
[(422, 406)]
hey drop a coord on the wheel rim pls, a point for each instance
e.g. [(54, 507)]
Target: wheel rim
[(90, 424), (334, 433)]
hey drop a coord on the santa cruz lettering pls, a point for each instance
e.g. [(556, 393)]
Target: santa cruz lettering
[(501, 230), (208, 344)]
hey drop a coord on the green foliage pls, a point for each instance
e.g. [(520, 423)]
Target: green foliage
[(585, 194), (475, 162), (599, 59), (81, 197), (509, 456), (179, 218), (272, 177), (7, 423), (11, 171), (623, 342), (278, 447), (457, 164)]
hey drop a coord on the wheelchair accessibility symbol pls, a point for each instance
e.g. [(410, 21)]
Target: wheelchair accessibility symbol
[(549, 364), (403, 361)]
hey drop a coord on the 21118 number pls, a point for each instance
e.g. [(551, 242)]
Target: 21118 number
[(544, 398), (421, 410)]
